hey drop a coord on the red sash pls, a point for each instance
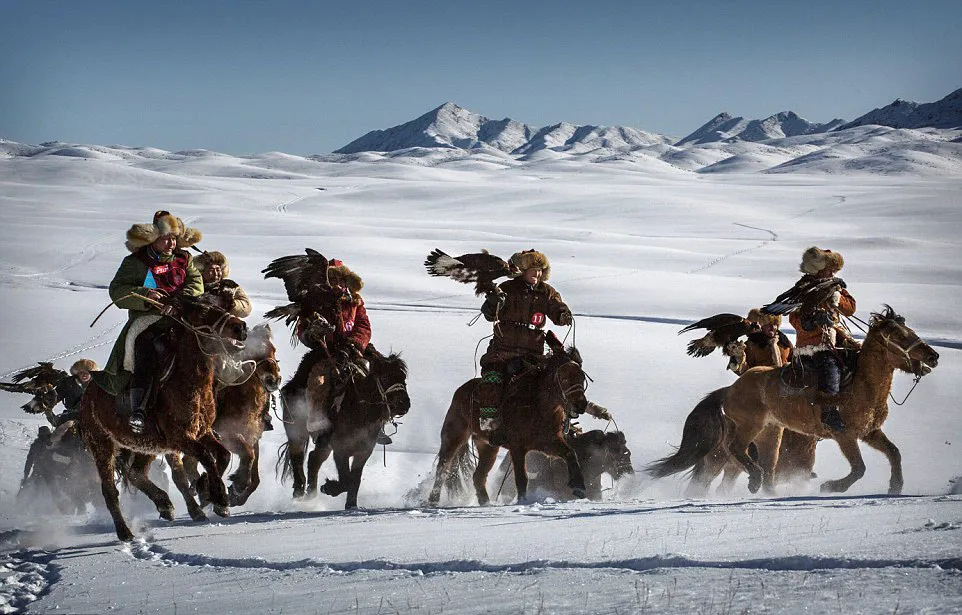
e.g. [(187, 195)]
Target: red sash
[(170, 276)]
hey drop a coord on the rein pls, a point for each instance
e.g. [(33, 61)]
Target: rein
[(904, 352)]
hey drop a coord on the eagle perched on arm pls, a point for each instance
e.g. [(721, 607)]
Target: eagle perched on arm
[(722, 330), (808, 295), (479, 268), (41, 382), (313, 299)]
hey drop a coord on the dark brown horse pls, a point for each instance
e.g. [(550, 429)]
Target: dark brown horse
[(179, 420), (599, 453), (738, 414), (534, 409), (369, 401), (239, 424)]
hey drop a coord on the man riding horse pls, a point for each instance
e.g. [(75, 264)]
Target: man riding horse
[(157, 268), (223, 291)]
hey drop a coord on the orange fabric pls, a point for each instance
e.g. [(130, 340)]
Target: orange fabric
[(819, 335)]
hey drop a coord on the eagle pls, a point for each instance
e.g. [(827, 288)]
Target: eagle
[(312, 299), (723, 329), (480, 268), (39, 381), (808, 295)]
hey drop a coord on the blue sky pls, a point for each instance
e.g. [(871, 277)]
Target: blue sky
[(308, 77)]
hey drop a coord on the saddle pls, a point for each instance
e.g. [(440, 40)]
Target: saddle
[(800, 376)]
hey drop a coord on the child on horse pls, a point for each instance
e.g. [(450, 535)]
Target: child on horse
[(157, 268), (519, 309)]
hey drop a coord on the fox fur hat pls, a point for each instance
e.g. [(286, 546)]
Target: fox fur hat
[(83, 365), (205, 259), (756, 315), (527, 259), (164, 223), (815, 259), (339, 275)]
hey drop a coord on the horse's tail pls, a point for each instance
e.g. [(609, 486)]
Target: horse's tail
[(459, 480), (705, 428), (283, 467)]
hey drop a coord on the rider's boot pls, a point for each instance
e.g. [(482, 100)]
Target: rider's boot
[(137, 419), (832, 418)]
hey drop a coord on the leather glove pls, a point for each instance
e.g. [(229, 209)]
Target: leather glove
[(565, 318), (823, 318)]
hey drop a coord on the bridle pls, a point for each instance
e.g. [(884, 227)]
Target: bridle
[(566, 393)]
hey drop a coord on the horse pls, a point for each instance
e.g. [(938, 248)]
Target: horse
[(239, 424), (598, 452), (180, 419), (65, 471), (534, 410), (369, 401), (796, 458), (759, 398)]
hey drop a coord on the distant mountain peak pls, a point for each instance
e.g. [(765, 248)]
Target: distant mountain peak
[(944, 113), (725, 128)]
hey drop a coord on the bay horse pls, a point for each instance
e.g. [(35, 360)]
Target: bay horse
[(534, 410), (239, 424), (598, 452), (179, 420), (369, 401), (759, 399)]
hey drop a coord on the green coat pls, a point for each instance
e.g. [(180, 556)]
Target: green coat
[(129, 279)]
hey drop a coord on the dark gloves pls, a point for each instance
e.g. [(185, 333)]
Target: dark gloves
[(565, 318), (493, 302), (821, 318)]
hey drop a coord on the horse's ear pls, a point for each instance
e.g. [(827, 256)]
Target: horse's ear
[(553, 342)]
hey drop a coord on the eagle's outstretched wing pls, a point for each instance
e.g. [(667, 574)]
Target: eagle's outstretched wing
[(479, 268), (722, 330), (808, 294), (308, 288), (41, 382)]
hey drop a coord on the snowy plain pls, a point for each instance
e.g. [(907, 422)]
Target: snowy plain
[(638, 250)]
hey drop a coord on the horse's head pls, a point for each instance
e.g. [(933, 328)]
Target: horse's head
[(608, 447), (388, 376), (564, 369), (260, 349), (735, 350), (210, 321), (907, 351)]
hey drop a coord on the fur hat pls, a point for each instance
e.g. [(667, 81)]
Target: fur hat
[(205, 259), (83, 365), (140, 235), (815, 259), (527, 259), (339, 274), (756, 315)]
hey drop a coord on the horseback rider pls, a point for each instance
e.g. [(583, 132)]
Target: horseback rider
[(37, 448), (226, 293), (157, 268), (819, 332), (345, 344), (70, 390), (519, 308)]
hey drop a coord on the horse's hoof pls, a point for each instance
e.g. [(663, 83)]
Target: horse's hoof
[(167, 514), (125, 535), (198, 515), (332, 488), (221, 511), (579, 493), (754, 482), (298, 494), (832, 486)]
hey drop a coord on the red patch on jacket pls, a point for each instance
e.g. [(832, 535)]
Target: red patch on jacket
[(538, 319)]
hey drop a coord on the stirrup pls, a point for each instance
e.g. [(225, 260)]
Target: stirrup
[(832, 419), (137, 422), (383, 439)]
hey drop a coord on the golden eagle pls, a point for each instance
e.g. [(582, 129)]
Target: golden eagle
[(309, 290), (808, 295), (480, 268), (41, 382), (722, 330)]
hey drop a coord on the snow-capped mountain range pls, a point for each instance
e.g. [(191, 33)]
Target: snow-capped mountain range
[(903, 138)]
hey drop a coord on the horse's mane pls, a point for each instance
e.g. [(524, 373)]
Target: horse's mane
[(570, 354), (387, 360), (887, 314), (298, 381)]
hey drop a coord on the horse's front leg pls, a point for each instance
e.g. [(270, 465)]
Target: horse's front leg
[(879, 441), (487, 455), (208, 450), (356, 470), (317, 457), (103, 454), (246, 479), (576, 479), (849, 447), (178, 472), (520, 473), (768, 442), (137, 474)]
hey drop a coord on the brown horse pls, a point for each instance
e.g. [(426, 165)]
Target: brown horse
[(796, 459), (369, 401), (239, 424), (759, 399), (598, 452), (534, 409), (180, 417)]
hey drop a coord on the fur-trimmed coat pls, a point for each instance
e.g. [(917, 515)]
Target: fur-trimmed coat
[(129, 280), (519, 328), (810, 337)]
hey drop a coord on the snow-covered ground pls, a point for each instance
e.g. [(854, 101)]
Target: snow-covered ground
[(637, 250)]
